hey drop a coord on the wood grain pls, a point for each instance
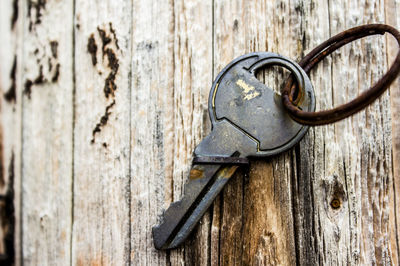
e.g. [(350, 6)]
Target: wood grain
[(391, 9), (255, 217), (192, 82), (47, 109), (172, 73), (10, 129), (101, 213), (111, 99), (348, 162), (152, 119)]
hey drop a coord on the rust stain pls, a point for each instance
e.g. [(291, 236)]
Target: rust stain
[(227, 172), (196, 173)]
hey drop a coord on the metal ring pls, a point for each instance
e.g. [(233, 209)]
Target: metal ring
[(323, 50)]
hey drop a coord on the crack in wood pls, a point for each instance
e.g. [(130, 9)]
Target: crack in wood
[(54, 48), (7, 217), (11, 95), (14, 16), (38, 7)]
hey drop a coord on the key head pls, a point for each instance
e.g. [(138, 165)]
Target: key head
[(239, 98)]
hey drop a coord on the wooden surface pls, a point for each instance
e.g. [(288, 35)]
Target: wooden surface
[(103, 102)]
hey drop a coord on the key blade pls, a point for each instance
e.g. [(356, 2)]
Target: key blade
[(199, 177), (205, 182), (180, 219), (222, 177)]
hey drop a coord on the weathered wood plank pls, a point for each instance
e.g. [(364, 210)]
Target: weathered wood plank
[(346, 167), (333, 166), (151, 122), (101, 213), (103, 151), (47, 132), (172, 73), (192, 83), (255, 217), (10, 130), (392, 9)]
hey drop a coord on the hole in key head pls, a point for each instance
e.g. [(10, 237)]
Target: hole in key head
[(273, 76)]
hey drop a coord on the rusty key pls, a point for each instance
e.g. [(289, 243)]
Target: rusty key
[(248, 120)]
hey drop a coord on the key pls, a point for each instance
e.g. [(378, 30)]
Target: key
[(248, 120)]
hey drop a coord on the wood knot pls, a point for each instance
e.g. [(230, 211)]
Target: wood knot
[(335, 194), (336, 203)]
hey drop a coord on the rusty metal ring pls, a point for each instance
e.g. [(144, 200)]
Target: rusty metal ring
[(364, 99)]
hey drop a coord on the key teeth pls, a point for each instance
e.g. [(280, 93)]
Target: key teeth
[(157, 244), (157, 230), (174, 205)]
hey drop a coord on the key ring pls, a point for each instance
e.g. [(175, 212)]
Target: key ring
[(290, 100)]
